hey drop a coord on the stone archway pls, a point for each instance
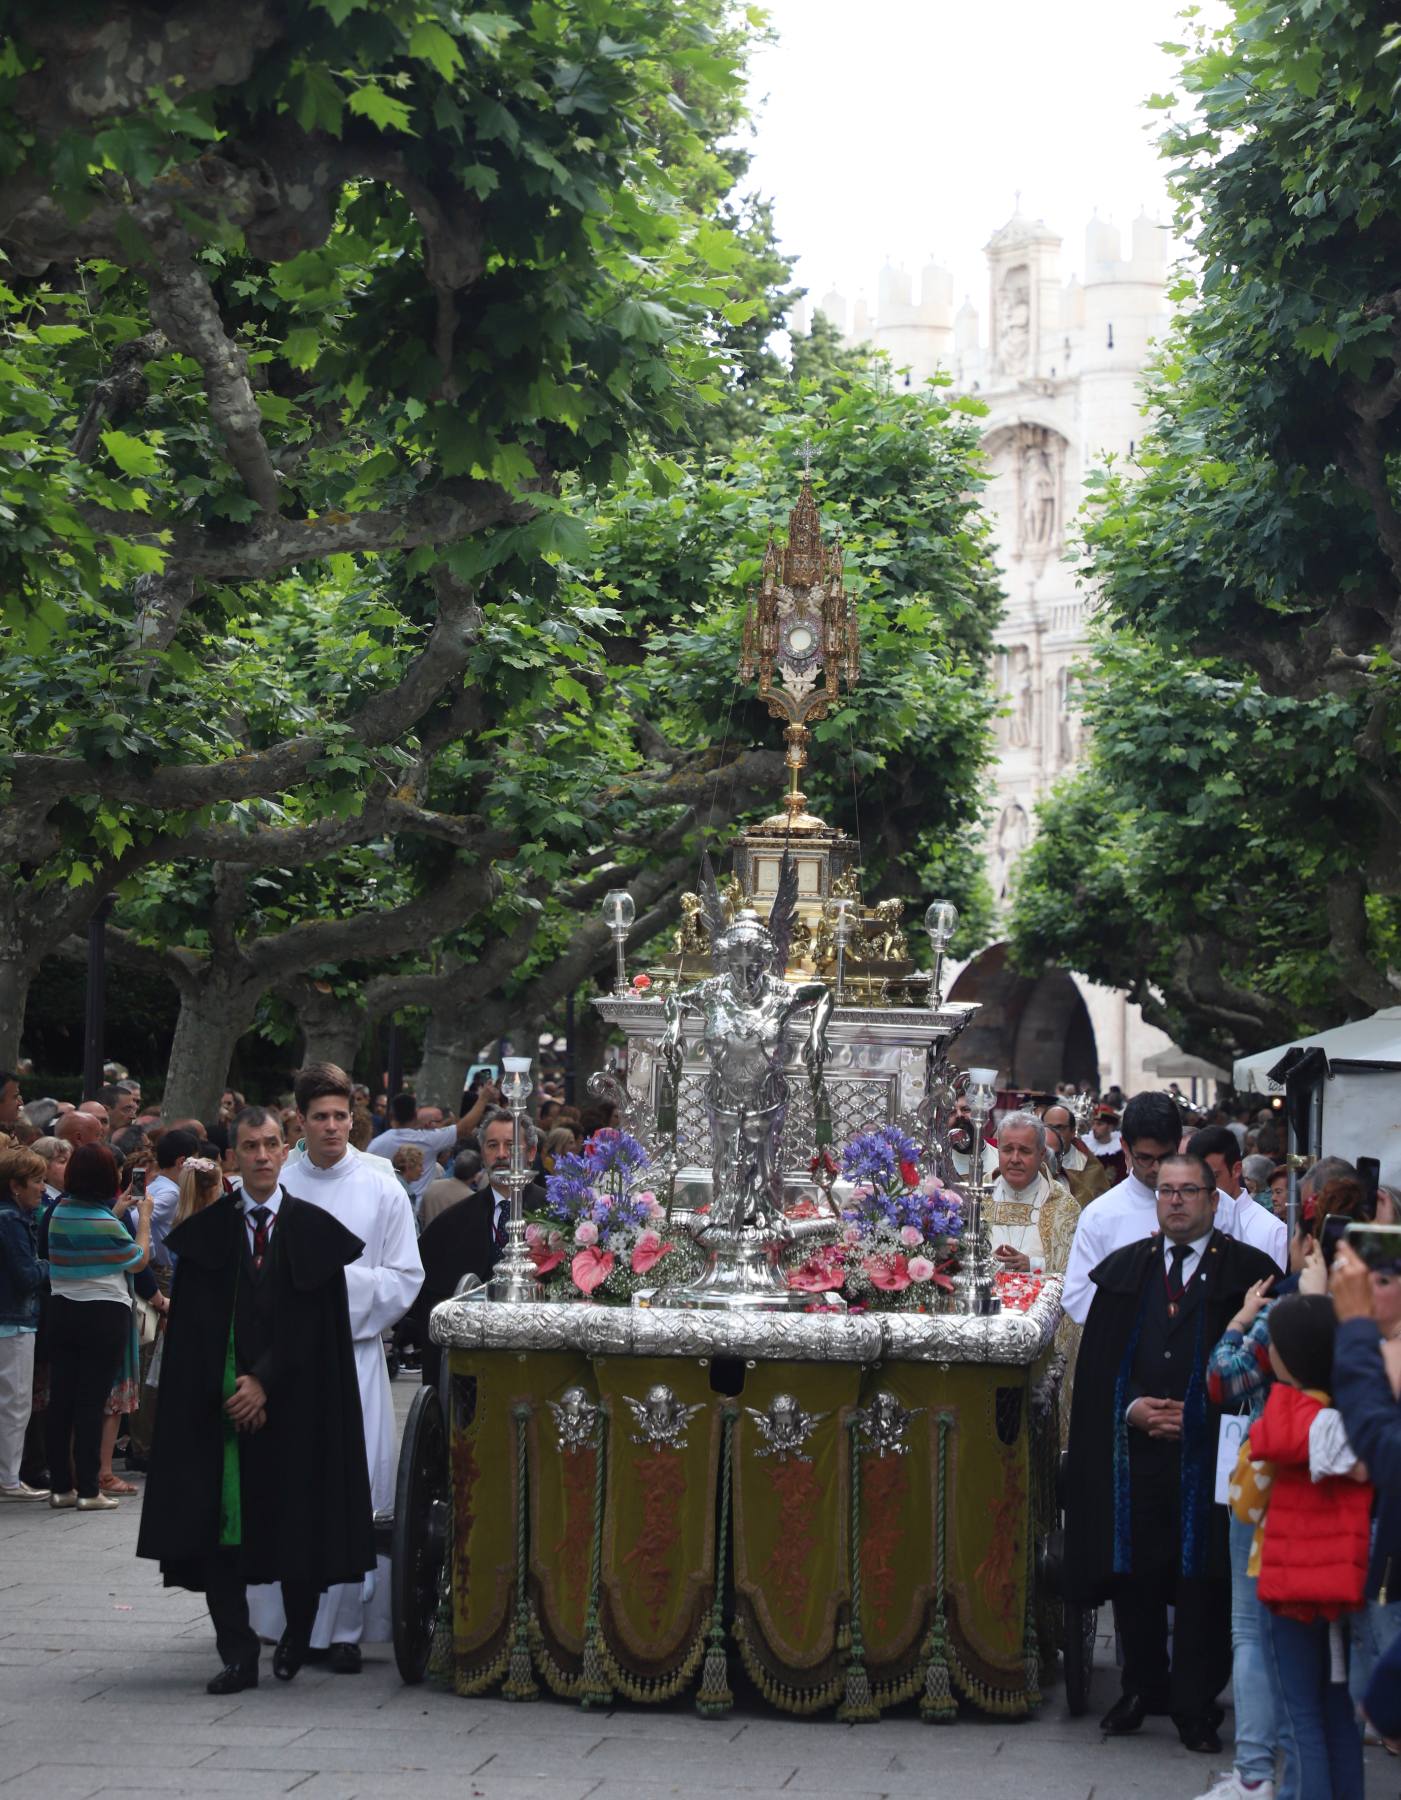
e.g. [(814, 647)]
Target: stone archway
[(1036, 1031)]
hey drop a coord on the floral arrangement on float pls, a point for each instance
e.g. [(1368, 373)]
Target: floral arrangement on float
[(899, 1231), (603, 1235)]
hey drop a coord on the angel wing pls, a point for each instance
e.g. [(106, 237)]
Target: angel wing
[(637, 1408), (783, 915), (712, 906)]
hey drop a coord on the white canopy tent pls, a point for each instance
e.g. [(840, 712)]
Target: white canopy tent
[(1374, 1040), (1359, 1096)]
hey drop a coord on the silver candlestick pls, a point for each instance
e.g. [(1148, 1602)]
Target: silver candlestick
[(619, 911), (841, 933), (940, 921), (977, 1291), (514, 1277)]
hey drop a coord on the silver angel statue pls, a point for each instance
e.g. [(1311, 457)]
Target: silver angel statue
[(747, 1013)]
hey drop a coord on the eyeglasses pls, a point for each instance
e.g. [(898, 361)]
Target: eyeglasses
[(1147, 1158), (1182, 1193)]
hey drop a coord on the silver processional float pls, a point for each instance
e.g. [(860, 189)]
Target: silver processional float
[(787, 1027)]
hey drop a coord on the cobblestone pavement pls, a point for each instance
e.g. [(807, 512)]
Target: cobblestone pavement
[(102, 1676)]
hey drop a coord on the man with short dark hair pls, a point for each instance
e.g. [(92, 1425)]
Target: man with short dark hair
[(1141, 1523), (1152, 1130), (434, 1140), (173, 1149), (258, 1468), (382, 1284), (468, 1238), (122, 1105), (1218, 1148)]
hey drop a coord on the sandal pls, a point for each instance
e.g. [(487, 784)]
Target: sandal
[(113, 1484)]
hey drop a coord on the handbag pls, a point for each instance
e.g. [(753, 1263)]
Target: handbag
[(148, 1321)]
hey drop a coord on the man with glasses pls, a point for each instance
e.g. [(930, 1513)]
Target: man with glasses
[(1141, 1523), (1151, 1131)]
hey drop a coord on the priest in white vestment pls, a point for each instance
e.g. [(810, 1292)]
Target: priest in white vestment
[(382, 1284), (1032, 1216), (1151, 1130)]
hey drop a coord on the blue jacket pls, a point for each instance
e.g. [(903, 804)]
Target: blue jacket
[(23, 1272), (1372, 1419)]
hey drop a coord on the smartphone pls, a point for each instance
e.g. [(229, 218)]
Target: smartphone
[(1369, 1173), (1331, 1233), (137, 1190), (1379, 1246)]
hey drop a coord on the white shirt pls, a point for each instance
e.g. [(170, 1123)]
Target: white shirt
[(165, 1202), (1129, 1211), (432, 1144), (247, 1203)]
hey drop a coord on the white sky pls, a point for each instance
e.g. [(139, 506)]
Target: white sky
[(904, 127)]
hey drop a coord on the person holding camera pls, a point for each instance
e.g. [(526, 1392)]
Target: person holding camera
[(92, 1258)]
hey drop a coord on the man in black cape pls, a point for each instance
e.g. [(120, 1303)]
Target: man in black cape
[(258, 1468), (1141, 1520)]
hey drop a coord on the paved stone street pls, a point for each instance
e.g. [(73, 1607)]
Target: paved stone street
[(102, 1676)]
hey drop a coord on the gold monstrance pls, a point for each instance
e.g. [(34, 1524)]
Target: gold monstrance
[(801, 637)]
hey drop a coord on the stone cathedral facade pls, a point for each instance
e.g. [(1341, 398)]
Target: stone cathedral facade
[(1058, 364)]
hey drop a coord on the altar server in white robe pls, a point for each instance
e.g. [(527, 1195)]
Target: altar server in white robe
[(1031, 1215), (382, 1284), (1151, 1131)]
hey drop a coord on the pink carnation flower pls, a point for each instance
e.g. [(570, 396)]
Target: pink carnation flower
[(920, 1268), (586, 1233), (911, 1235)]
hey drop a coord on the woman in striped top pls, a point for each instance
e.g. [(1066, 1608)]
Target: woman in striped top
[(92, 1257)]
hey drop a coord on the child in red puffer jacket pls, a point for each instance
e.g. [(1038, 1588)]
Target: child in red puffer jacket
[(1313, 1564)]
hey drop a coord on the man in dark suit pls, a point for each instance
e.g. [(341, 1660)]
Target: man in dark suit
[(468, 1238), (258, 1468), (1141, 1521)]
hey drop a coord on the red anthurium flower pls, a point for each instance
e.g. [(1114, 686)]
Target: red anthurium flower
[(590, 1269), (648, 1251), (891, 1274), (909, 1174)]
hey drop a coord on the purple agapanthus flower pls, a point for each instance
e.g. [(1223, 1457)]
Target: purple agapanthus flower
[(595, 1183), (876, 1156), (889, 1195)]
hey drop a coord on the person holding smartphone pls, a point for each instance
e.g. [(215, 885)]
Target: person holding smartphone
[(92, 1258)]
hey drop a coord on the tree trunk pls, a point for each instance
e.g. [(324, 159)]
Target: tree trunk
[(213, 1017), (455, 1034), (332, 1026), (15, 977)]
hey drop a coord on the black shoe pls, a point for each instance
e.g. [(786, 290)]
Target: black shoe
[(344, 1659), (288, 1657), (233, 1678), (1126, 1714), (1199, 1734)]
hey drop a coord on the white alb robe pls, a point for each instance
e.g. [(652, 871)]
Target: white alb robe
[(382, 1283), (1014, 1216), (1129, 1212)]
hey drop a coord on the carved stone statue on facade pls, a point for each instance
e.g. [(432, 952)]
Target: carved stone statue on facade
[(1039, 501), (1014, 322), (1017, 689), (1011, 838)]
